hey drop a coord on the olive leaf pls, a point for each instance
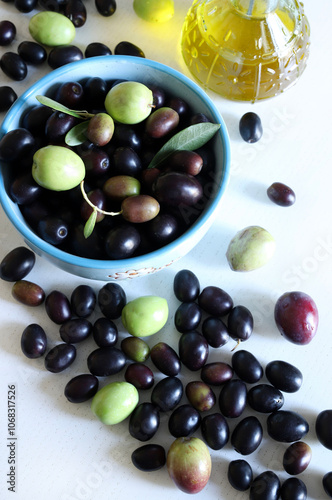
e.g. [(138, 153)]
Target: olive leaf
[(189, 139), (46, 101), (77, 134), (90, 224)]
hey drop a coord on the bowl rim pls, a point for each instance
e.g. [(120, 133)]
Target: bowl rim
[(132, 262)]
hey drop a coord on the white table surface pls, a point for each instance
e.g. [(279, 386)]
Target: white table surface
[(62, 451)]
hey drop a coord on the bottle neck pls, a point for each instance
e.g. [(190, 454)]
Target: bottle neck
[(255, 8)]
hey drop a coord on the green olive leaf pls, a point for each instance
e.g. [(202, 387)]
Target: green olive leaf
[(46, 101), (90, 224), (189, 139), (77, 134)]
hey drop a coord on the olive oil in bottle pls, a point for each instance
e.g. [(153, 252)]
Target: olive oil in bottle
[(246, 50)]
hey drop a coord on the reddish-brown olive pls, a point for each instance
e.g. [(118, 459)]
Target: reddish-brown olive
[(28, 293)]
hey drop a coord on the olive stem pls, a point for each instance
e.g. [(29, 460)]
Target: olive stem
[(85, 196), (236, 345)]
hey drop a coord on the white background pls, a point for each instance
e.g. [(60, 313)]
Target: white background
[(63, 452)]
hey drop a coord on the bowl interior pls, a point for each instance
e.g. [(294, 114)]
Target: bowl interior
[(130, 68)]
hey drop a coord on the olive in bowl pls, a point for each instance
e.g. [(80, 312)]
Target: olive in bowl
[(118, 246)]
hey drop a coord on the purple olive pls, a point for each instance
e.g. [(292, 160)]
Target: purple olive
[(75, 330), (81, 388), (167, 393), (247, 435), (166, 359), (286, 426), (281, 194), (17, 264), (184, 421), (106, 361), (144, 421), (57, 307), (296, 458), (13, 66), (175, 189), (140, 375), (60, 357), (233, 398), (33, 341), (215, 430), (83, 301), (149, 457), (193, 350), (216, 373)]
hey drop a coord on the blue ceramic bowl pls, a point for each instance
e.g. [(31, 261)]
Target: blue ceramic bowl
[(145, 71)]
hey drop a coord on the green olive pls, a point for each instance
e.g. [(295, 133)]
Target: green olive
[(154, 11), (52, 29), (251, 248), (57, 168), (135, 349), (119, 187), (145, 316), (129, 102), (114, 402)]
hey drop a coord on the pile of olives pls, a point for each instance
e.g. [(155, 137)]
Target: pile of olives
[(150, 207), (139, 361), (53, 30)]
